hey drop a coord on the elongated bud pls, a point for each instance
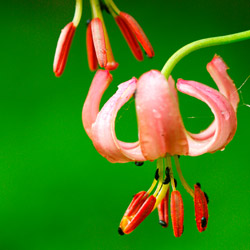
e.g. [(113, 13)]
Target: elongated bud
[(92, 60), (62, 48), (99, 41), (177, 213), (163, 210), (201, 209), (130, 38), (138, 32), (138, 210)]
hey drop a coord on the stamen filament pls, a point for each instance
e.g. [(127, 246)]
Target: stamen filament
[(203, 43), (152, 186), (78, 13), (162, 187), (160, 167), (112, 8), (183, 181), (169, 163)]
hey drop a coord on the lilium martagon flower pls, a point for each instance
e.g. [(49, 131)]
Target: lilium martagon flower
[(162, 135), (99, 50)]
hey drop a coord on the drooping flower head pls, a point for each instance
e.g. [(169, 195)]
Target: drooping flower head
[(162, 134), (99, 50)]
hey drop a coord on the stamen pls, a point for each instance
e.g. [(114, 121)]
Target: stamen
[(163, 211), (201, 209), (112, 7), (111, 64), (168, 159), (177, 213), (78, 13), (163, 186), (183, 181)]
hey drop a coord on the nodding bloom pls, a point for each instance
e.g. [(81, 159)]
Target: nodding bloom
[(162, 134), (97, 41)]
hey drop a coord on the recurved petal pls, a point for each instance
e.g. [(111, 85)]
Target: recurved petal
[(91, 105), (225, 118), (139, 33), (218, 71), (130, 38), (92, 60), (62, 48), (99, 41), (161, 129), (106, 143)]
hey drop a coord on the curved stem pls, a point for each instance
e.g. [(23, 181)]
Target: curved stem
[(78, 13), (183, 181), (203, 43)]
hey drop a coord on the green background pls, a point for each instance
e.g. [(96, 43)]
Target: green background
[(56, 191)]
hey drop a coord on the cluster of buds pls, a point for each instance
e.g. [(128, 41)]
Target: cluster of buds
[(143, 203), (98, 45)]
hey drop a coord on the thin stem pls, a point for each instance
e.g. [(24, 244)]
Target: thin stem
[(78, 13), (203, 43), (183, 181)]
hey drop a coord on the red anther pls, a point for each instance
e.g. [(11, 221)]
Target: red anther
[(130, 38), (137, 211), (139, 33), (201, 209), (62, 48), (163, 210), (99, 41), (92, 60), (177, 213), (136, 203)]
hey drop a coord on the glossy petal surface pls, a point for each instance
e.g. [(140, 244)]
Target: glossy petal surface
[(161, 129), (107, 143)]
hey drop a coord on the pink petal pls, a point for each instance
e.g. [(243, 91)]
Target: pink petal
[(225, 117), (90, 110), (103, 130), (161, 129), (218, 70), (62, 48)]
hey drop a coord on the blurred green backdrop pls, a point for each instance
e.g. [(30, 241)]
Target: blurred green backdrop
[(56, 191)]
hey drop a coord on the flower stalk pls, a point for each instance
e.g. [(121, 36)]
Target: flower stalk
[(200, 44)]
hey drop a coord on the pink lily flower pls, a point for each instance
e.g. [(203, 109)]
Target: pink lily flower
[(162, 135)]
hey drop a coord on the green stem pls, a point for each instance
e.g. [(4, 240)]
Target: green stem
[(203, 43)]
